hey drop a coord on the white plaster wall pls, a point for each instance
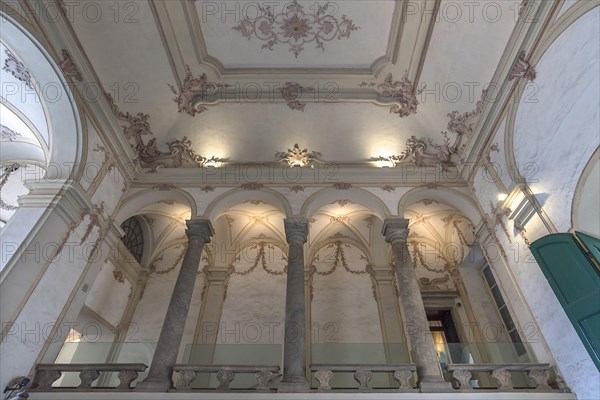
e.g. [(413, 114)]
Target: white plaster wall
[(14, 188), (152, 308), (559, 130), (254, 309), (94, 158), (108, 297), (533, 295)]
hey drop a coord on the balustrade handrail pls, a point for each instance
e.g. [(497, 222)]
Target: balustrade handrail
[(47, 374), (502, 374), (363, 373), (264, 373)]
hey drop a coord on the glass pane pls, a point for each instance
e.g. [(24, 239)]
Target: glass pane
[(489, 277), (497, 297)]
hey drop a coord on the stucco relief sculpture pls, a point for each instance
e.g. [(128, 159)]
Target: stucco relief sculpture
[(194, 92), (68, 67), (17, 69), (290, 92), (403, 92), (295, 27), (522, 69), (180, 152), (296, 157)]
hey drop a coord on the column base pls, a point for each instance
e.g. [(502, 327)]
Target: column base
[(153, 386), (299, 386), (435, 386)]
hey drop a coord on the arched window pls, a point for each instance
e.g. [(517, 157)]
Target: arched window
[(134, 237)]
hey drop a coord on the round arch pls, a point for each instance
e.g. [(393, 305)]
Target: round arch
[(65, 132), (359, 196), (236, 196), (132, 205), (452, 197)]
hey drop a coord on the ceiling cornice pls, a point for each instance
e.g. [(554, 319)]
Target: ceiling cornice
[(332, 174)]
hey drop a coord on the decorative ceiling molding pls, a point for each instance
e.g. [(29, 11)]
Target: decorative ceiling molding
[(295, 157), (296, 188), (291, 91), (522, 68), (180, 152), (17, 69), (295, 27), (403, 92), (8, 134), (194, 92), (3, 179), (388, 188), (68, 67)]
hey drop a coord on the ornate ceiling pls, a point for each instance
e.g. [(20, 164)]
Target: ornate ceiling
[(201, 81)]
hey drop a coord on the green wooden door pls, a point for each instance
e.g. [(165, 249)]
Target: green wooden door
[(576, 283)]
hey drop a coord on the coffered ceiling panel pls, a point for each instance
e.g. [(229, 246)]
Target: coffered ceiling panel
[(346, 34)]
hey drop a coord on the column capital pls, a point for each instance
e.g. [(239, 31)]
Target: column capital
[(296, 229), (200, 227), (395, 230)]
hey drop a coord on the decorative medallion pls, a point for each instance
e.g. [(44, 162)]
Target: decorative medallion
[(195, 92), (17, 69), (207, 188), (68, 68), (388, 188), (8, 134), (290, 92), (295, 157), (402, 91), (295, 27), (296, 188), (522, 69)]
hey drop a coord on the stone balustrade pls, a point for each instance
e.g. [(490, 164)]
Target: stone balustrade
[(363, 373), (226, 374), (502, 374), (47, 374)]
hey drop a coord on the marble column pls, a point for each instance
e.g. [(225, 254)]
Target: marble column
[(423, 350), (294, 347), (159, 377)]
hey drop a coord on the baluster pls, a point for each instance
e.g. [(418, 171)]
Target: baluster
[(324, 377), (45, 378), (263, 378), (186, 377), (503, 378), (363, 377), (540, 377), (87, 378), (126, 378), (403, 377), (463, 376), (225, 377)]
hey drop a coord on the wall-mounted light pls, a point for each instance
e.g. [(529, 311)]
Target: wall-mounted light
[(520, 206), (213, 162), (385, 162)]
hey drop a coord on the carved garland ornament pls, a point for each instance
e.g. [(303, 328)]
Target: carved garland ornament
[(402, 91), (194, 92), (296, 27)]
